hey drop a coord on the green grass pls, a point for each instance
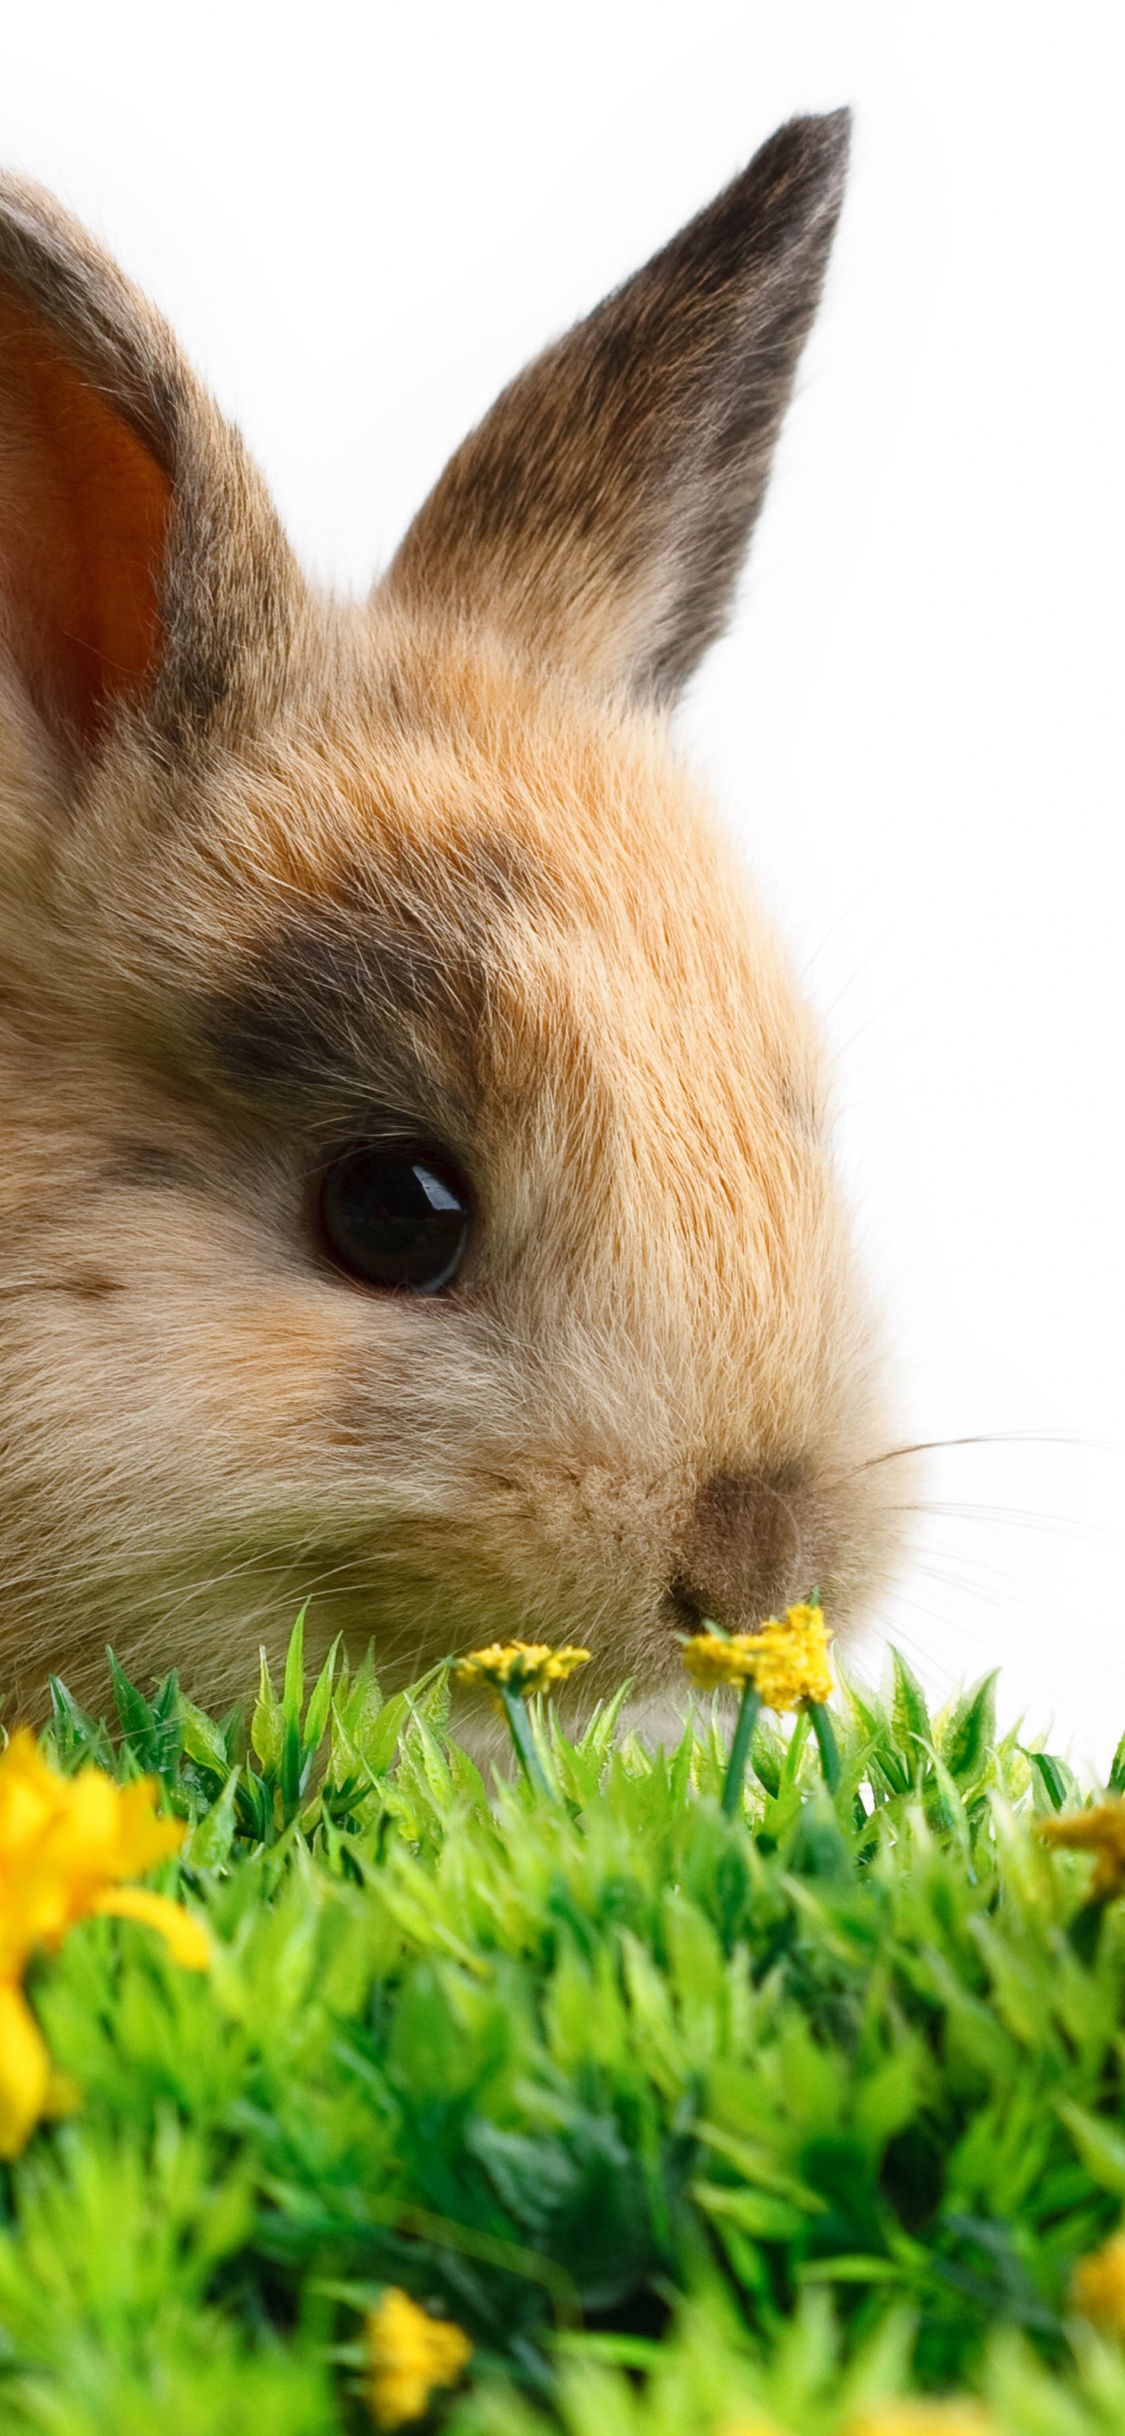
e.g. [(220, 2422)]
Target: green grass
[(680, 2116)]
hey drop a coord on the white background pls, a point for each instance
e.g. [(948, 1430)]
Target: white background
[(361, 218)]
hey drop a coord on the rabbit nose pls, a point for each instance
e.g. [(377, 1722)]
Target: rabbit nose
[(749, 1547)]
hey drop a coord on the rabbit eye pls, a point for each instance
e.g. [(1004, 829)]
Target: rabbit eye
[(396, 1217)]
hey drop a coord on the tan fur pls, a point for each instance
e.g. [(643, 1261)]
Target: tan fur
[(316, 856)]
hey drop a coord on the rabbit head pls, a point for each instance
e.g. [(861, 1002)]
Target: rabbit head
[(414, 1188)]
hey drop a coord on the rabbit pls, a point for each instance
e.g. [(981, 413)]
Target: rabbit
[(416, 1191)]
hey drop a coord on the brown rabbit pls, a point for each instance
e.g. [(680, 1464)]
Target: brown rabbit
[(413, 1185)]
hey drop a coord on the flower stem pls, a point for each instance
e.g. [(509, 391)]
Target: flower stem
[(826, 1743), (740, 1751), (519, 1727)]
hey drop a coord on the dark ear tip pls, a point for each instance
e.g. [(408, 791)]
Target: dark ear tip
[(833, 132), (835, 127), (807, 161), (821, 140)]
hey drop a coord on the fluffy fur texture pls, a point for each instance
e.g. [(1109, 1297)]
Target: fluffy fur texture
[(276, 869)]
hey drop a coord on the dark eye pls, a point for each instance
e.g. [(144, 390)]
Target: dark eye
[(396, 1217)]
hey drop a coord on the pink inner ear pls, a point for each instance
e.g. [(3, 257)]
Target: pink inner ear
[(83, 526)]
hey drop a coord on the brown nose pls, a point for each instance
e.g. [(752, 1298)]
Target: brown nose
[(752, 1544)]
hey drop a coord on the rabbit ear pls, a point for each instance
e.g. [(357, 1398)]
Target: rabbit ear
[(139, 557), (602, 509)]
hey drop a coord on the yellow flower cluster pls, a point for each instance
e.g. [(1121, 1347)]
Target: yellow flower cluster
[(408, 2355), (523, 1667), (1100, 1831), (66, 1843), (1098, 2286), (786, 1660)]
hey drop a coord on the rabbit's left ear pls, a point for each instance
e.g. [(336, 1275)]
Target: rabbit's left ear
[(140, 560), (600, 513)]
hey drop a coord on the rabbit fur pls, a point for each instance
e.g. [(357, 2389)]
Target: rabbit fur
[(277, 866)]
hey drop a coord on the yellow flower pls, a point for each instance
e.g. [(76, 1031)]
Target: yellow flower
[(523, 1667), (923, 2418), (1097, 2286), (711, 1658), (408, 2354), (791, 1659), (1101, 1831), (65, 1845), (786, 1660)]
